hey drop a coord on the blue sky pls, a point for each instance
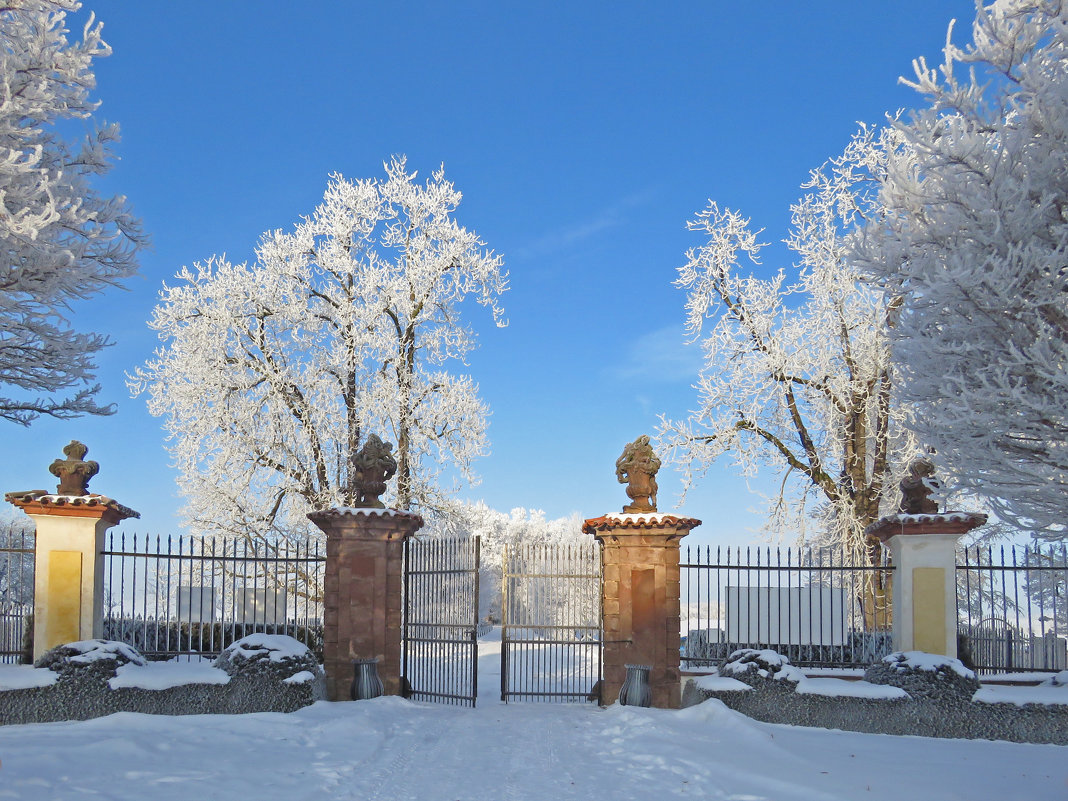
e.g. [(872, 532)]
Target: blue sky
[(583, 135)]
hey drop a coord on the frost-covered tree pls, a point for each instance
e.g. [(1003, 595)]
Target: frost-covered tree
[(972, 243), (273, 373), (61, 240), (797, 369)]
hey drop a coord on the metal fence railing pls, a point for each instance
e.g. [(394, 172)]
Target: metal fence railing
[(439, 648), (551, 622), (817, 606), (188, 596), (1012, 605), (16, 593)]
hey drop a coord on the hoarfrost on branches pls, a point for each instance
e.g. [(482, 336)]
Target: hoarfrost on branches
[(797, 370), (500, 530), (972, 243), (273, 373), (62, 241)]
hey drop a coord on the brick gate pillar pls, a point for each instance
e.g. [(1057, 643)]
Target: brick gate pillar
[(640, 599), (362, 593), (68, 569)]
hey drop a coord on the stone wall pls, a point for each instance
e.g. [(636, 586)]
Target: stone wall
[(777, 702), (88, 697)]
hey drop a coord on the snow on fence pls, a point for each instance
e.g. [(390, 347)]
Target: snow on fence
[(817, 606), (170, 596)]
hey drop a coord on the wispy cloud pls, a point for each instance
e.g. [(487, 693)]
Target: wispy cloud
[(661, 355), (568, 236)]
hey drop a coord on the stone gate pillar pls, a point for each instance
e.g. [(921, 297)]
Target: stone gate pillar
[(68, 568), (923, 547), (362, 593), (640, 600), (640, 569)]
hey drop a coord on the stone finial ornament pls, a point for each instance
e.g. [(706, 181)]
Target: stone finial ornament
[(916, 488), (372, 467), (74, 473), (637, 469)]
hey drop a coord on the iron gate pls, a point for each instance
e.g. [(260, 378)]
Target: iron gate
[(551, 623), (439, 648)]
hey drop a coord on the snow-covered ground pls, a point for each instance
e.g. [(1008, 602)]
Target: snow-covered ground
[(393, 749)]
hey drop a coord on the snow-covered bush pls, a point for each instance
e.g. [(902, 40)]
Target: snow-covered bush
[(272, 656), (755, 668), (923, 675), (98, 659)]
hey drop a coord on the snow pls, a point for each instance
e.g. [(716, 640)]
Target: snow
[(368, 511), (652, 518), (1024, 677), (842, 688), (300, 678), (921, 660), (164, 675), (1057, 679), (945, 517), (277, 647), (997, 694), (388, 748), (721, 683), (94, 650), (786, 672), (23, 677)]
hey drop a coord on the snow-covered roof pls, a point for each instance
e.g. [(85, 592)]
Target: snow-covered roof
[(365, 511), (941, 523)]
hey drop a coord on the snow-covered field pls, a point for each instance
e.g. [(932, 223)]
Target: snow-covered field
[(393, 749)]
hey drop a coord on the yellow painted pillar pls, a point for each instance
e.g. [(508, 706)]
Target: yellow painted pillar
[(923, 548), (68, 569)]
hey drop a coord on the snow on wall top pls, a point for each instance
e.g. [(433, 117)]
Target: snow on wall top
[(277, 647), (921, 660)]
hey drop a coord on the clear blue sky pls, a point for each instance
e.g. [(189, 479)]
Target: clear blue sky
[(583, 135)]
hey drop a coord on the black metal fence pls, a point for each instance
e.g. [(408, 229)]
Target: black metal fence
[(439, 646), (16, 593), (551, 623), (1012, 603), (187, 596), (817, 606)]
